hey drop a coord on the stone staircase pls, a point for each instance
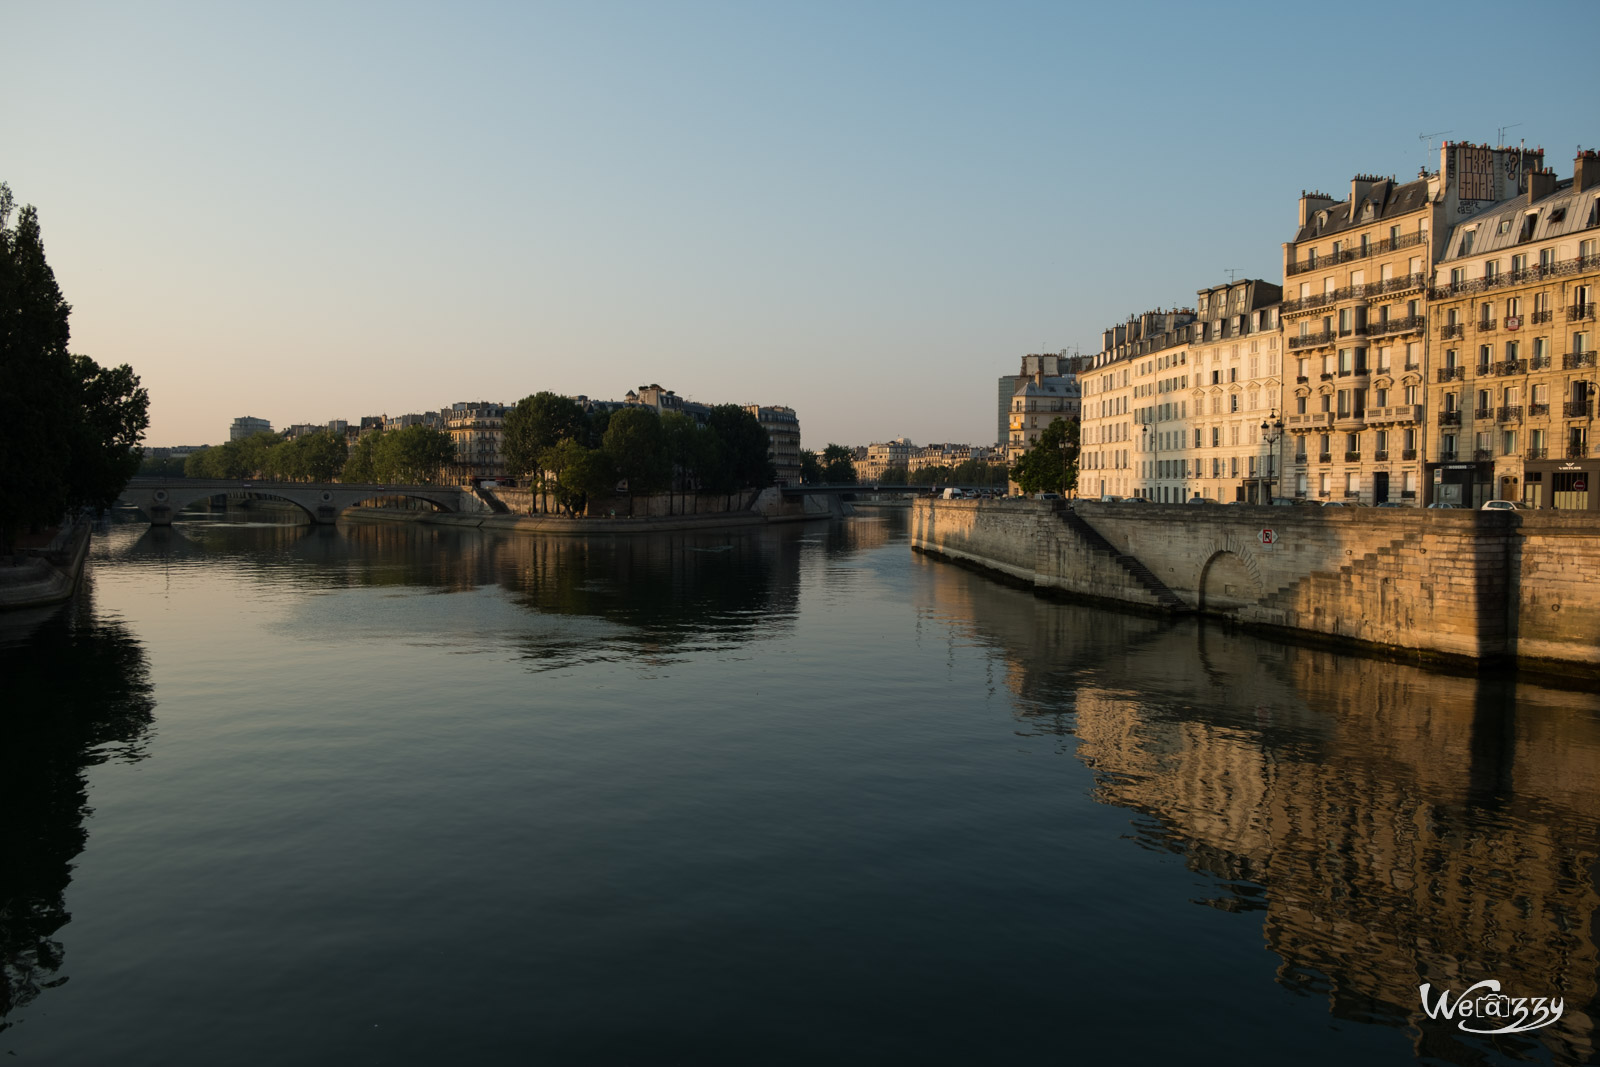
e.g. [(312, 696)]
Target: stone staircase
[(1144, 576), (1285, 596)]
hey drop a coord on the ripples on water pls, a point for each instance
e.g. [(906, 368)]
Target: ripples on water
[(416, 794)]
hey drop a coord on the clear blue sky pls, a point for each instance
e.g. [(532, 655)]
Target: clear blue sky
[(867, 211)]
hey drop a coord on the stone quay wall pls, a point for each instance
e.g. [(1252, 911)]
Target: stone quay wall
[(1472, 585)]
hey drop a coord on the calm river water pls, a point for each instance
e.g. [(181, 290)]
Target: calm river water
[(400, 794)]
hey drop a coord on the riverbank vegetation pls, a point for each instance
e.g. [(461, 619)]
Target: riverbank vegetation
[(69, 428)]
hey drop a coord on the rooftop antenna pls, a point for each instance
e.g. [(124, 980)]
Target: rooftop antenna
[(1428, 139), (1231, 272), (1500, 134)]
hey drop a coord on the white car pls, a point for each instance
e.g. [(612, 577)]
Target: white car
[(1501, 505)]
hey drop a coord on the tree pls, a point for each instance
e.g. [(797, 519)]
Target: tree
[(838, 466), (810, 469), (1051, 465), (688, 448), (413, 455), (69, 428), (322, 455), (536, 423), (573, 473), (744, 445), (360, 467), (635, 445), (896, 475)]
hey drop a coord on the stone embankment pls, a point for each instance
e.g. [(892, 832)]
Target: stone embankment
[(39, 577), (511, 509), (1470, 585)]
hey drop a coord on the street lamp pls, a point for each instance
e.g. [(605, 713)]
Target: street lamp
[(1272, 434)]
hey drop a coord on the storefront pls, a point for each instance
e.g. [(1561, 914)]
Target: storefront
[(1563, 484), (1466, 485)]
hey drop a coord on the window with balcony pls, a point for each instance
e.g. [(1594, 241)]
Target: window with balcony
[(1491, 271), (1380, 398), (1547, 258)]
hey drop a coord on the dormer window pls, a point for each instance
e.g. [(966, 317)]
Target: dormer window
[(1529, 220), (1594, 213), (1558, 214), (1466, 242), (1504, 227)]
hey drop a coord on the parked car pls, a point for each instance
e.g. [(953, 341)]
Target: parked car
[(1046, 496), (1437, 504), (1201, 500), (1337, 504), (1502, 505), (1285, 501), (1389, 504)]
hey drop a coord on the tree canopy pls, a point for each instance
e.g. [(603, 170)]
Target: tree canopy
[(69, 428), (838, 465), (536, 423), (1051, 465)]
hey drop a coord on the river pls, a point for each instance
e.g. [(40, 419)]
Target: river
[(792, 795)]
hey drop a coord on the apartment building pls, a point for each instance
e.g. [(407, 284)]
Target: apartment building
[(1356, 282), (881, 457), (783, 439), (1130, 390), (247, 426), (1047, 391), (1227, 444), (1512, 324), (477, 428)]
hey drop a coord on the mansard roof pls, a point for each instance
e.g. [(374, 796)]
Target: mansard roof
[(1388, 199)]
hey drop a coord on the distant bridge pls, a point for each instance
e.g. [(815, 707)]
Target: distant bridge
[(162, 498)]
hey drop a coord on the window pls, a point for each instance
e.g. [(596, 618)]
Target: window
[(1491, 271), (1504, 227), (1411, 394), (1508, 443), (1528, 222), (1519, 263), (1466, 242), (1380, 397), (1197, 437), (1216, 437), (1300, 405), (1547, 258), (1233, 403), (1457, 276)]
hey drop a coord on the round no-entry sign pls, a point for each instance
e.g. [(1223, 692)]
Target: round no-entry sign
[(1269, 537)]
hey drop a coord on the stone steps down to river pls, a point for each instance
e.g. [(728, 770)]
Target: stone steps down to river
[(1169, 600)]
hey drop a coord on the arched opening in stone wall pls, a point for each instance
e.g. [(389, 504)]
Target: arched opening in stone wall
[(1226, 584)]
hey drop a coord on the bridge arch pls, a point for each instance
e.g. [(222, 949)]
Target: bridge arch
[(161, 502)]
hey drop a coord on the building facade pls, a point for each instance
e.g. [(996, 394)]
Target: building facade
[(1513, 328), (1047, 391), (247, 426), (1355, 319), (477, 429), (1234, 376), (1131, 390), (783, 440), (882, 457)]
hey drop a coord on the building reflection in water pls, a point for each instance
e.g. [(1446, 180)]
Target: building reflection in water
[(1391, 826), (78, 694)]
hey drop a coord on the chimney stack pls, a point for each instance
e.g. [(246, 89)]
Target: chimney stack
[(1541, 183), (1311, 203), (1585, 171), (1360, 188)]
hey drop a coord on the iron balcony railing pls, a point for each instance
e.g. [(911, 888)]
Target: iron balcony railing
[(1580, 313), (1541, 316), (1486, 324), (1538, 409), (1408, 454), (1324, 457), (1539, 363), (1511, 366), (1481, 454), (1310, 340), (1447, 456), (1401, 325), (1346, 255), (1352, 457), (1576, 450), (1538, 453), (1380, 455), (1480, 414), (1452, 374), (1509, 413), (1449, 418), (1452, 329), (1575, 360), (1579, 409)]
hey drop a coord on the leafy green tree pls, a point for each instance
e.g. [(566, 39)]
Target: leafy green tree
[(635, 445), (894, 476), (574, 473), (838, 465), (414, 455), (170, 467), (690, 450), (1051, 465), (360, 467), (810, 469), (745, 464), (112, 412), (322, 455), (536, 423)]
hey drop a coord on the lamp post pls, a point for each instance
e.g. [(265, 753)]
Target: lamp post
[(1272, 434)]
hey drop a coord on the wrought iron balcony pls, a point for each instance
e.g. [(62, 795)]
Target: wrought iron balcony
[(1511, 366), (1352, 457), (1539, 363), (1380, 455), (1579, 409), (1311, 340), (1576, 450), (1580, 313), (1481, 454), (1413, 366), (1447, 456), (1452, 374), (1538, 409), (1452, 329), (1575, 360), (1300, 459), (1537, 453), (1480, 414), (1324, 457), (1486, 324), (1449, 418), (1541, 316), (1508, 413), (1408, 454)]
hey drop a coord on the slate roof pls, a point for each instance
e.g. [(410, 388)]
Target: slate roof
[(1576, 210), (1388, 200)]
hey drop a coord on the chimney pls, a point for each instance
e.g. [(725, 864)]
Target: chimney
[(1541, 183), (1311, 203), (1360, 188), (1585, 171)]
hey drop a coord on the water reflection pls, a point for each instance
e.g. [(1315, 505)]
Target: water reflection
[(77, 693), (1390, 826)]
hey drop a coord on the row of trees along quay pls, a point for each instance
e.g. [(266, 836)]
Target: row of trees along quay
[(415, 455), (69, 428), (570, 454)]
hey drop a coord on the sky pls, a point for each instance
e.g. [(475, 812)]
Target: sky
[(867, 211)]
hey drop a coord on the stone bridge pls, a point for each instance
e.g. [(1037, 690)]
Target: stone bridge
[(162, 498)]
